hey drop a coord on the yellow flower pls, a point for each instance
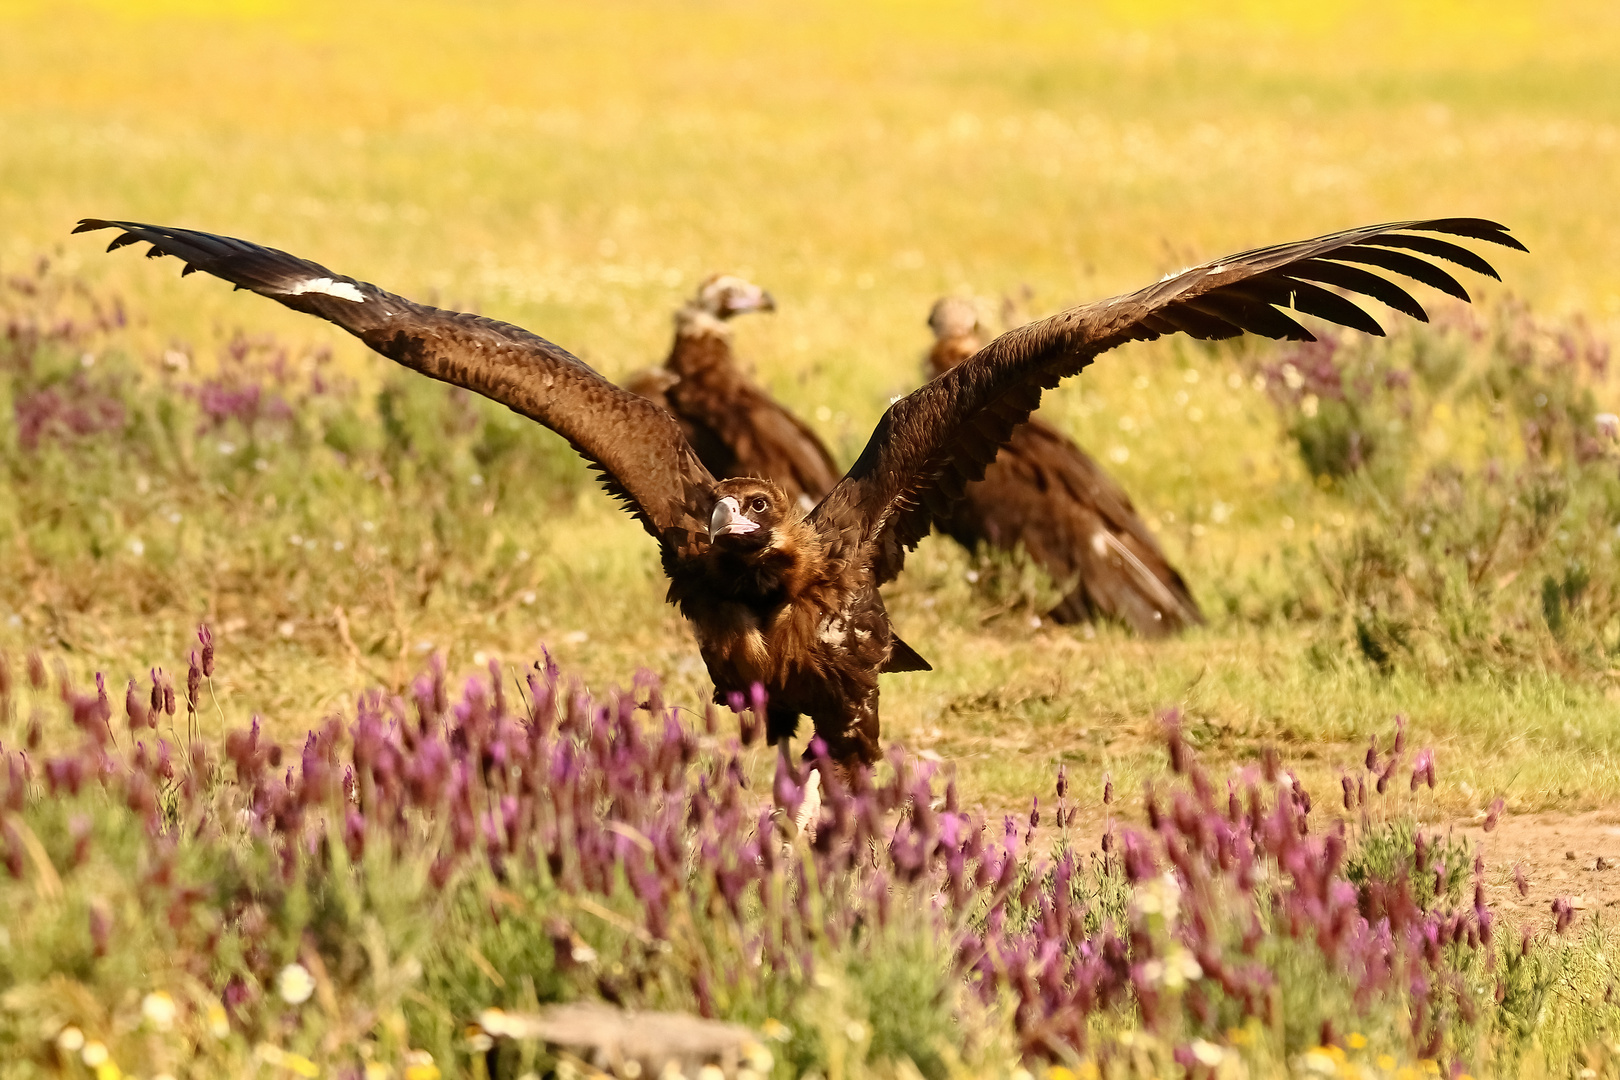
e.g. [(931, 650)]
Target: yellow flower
[(1430, 1066), (376, 1070), (775, 1029), (419, 1066), (109, 1070), (1357, 1040), (1386, 1062), (295, 1063), (1090, 1071), (219, 1024)]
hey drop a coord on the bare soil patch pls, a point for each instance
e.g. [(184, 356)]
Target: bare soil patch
[(1573, 855)]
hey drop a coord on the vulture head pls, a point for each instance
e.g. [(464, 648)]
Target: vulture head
[(958, 334), (747, 513), (725, 295)]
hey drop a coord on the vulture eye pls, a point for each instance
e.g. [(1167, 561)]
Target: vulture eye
[(758, 505)]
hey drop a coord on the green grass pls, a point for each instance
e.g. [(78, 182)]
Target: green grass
[(577, 168)]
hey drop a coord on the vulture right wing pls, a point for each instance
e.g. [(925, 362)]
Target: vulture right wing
[(932, 442), (636, 447)]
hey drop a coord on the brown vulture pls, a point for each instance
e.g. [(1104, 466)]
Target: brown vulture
[(734, 426), (1047, 494), (788, 599)]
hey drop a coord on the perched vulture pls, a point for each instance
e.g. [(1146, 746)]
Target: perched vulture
[(787, 599), (734, 426), (1047, 494)]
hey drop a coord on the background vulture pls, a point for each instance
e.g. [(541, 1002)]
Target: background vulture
[(735, 427), (789, 599), (1047, 494)]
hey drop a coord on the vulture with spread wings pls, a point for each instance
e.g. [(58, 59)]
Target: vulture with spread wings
[(734, 426), (1047, 495), (789, 599)]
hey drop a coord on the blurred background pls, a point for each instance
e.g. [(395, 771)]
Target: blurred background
[(578, 168)]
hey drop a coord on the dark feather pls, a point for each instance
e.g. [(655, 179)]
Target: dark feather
[(734, 425), (921, 442), (637, 447)]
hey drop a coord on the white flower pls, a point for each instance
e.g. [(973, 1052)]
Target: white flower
[(295, 984), (70, 1040), (159, 1010), (94, 1054)]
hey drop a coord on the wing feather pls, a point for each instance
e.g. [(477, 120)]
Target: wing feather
[(932, 442), (636, 448)]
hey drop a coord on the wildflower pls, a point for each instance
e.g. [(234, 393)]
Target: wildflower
[(774, 1029), (219, 1025), (295, 984), (159, 1009), (1356, 1040), (293, 1063), (1386, 1062), (1207, 1053), (70, 1040), (419, 1066), (94, 1053), (758, 1057), (1319, 1061)]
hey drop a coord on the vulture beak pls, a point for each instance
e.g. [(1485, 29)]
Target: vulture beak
[(754, 300), (728, 520)]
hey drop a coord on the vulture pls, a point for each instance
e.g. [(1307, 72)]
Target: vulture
[(734, 426), (1046, 493), (788, 599)]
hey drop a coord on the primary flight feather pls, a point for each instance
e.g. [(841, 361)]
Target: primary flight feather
[(789, 599), (1045, 494)]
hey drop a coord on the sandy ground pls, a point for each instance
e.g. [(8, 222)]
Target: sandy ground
[(1573, 855)]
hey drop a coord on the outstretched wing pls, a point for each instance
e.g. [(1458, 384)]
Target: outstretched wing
[(636, 447), (930, 444)]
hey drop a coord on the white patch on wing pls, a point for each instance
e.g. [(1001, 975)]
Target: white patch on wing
[(343, 290), (831, 631)]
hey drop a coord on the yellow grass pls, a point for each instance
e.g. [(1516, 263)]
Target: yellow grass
[(575, 168)]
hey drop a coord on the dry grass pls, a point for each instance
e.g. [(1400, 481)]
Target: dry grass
[(576, 168)]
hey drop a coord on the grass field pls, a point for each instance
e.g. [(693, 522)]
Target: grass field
[(577, 169)]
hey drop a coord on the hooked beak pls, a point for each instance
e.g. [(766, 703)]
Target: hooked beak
[(754, 301), (728, 520)]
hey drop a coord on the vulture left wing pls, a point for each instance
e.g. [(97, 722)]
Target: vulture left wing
[(931, 443), (636, 447)]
